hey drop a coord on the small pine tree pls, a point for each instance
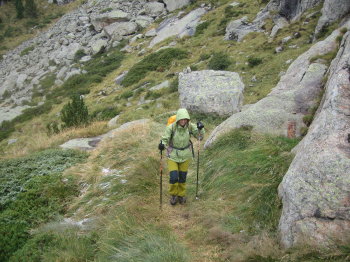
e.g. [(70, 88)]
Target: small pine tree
[(19, 9), (31, 9), (75, 113)]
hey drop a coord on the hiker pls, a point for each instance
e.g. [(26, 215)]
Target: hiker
[(179, 151)]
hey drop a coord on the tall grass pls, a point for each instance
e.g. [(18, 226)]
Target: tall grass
[(158, 61), (130, 241)]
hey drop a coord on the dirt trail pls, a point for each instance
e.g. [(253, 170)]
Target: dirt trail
[(180, 219)]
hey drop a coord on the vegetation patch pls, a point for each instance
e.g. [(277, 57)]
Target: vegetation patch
[(249, 167), (27, 50), (33, 191), (158, 61), (105, 113), (219, 61)]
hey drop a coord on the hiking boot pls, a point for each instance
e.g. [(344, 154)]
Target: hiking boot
[(173, 200), (182, 200)]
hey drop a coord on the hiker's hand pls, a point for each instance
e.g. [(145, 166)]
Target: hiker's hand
[(200, 125), (161, 146)]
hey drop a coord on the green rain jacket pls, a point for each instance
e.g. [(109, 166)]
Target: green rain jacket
[(181, 138)]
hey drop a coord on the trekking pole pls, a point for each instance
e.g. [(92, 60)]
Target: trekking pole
[(199, 126), (161, 148), (197, 169)]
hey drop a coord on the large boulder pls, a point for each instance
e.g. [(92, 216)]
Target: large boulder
[(178, 27), (120, 29), (292, 9), (331, 12), (172, 5), (102, 20), (289, 101), (239, 28), (315, 190), (91, 143), (213, 92), (154, 9)]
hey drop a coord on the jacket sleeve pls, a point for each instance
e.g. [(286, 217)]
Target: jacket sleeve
[(195, 132), (166, 135)]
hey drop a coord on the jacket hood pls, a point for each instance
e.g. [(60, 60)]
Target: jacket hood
[(182, 114)]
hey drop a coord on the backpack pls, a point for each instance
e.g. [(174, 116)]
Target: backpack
[(171, 120)]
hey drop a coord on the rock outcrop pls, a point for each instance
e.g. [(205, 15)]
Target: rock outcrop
[(289, 101), (331, 12), (172, 5), (174, 26), (91, 143), (316, 189), (211, 92)]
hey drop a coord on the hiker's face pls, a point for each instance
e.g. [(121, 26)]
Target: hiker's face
[(183, 122)]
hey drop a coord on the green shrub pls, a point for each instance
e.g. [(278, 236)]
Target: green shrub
[(219, 61), (12, 31), (34, 248), (6, 94), (201, 28), (343, 30), (79, 54), (52, 128), (75, 113), (32, 191), (254, 61), (204, 57), (19, 9), (153, 94), (105, 113), (158, 61), (48, 81), (194, 68), (31, 23), (174, 85), (304, 130), (126, 94), (30, 113), (31, 9), (307, 119), (338, 39), (6, 128)]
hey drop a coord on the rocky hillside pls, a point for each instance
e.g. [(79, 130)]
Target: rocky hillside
[(264, 77)]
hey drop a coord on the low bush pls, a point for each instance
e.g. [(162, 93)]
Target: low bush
[(204, 57), (201, 28), (174, 85), (105, 113), (219, 61), (33, 191), (254, 61), (153, 94), (48, 81), (75, 113), (307, 119), (158, 61), (79, 54), (27, 50), (126, 94), (6, 94), (6, 128)]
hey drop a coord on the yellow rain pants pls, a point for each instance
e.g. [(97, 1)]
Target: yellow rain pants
[(178, 173)]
